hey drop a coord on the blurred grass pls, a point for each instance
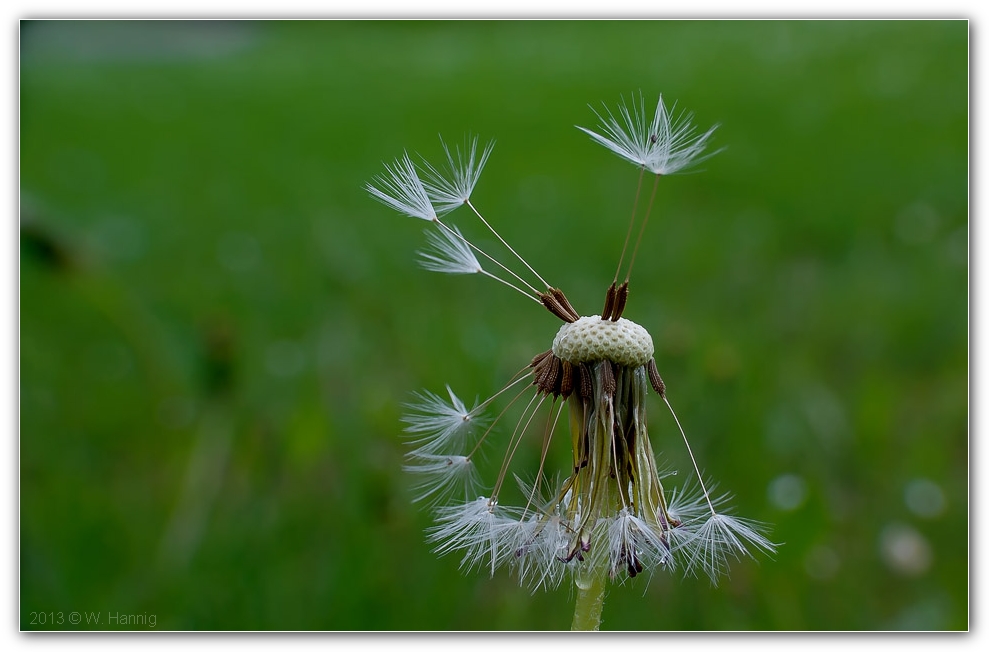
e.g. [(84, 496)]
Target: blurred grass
[(218, 326)]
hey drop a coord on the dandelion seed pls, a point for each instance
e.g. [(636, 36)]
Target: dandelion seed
[(664, 145), (439, 427), (721, 536)]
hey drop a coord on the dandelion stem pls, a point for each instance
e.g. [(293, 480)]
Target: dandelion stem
[(502, 240), (590, 603)]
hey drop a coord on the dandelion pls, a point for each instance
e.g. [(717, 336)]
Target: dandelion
[(608, 516)]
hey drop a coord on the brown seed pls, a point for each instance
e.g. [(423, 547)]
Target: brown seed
[(547, 373), (621, 297), (562, 299), (566, 380), (539, 358), (552, 303), (586, 381), (655, 380), (609, 302)]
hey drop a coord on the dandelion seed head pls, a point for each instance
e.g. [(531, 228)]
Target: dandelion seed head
[(608, 515), (593, 338)]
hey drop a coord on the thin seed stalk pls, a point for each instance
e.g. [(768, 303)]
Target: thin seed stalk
[(590, 603)]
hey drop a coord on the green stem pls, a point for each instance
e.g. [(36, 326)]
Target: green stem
[(590, 602)]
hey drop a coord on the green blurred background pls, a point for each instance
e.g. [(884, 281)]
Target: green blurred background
[(218, 326)]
